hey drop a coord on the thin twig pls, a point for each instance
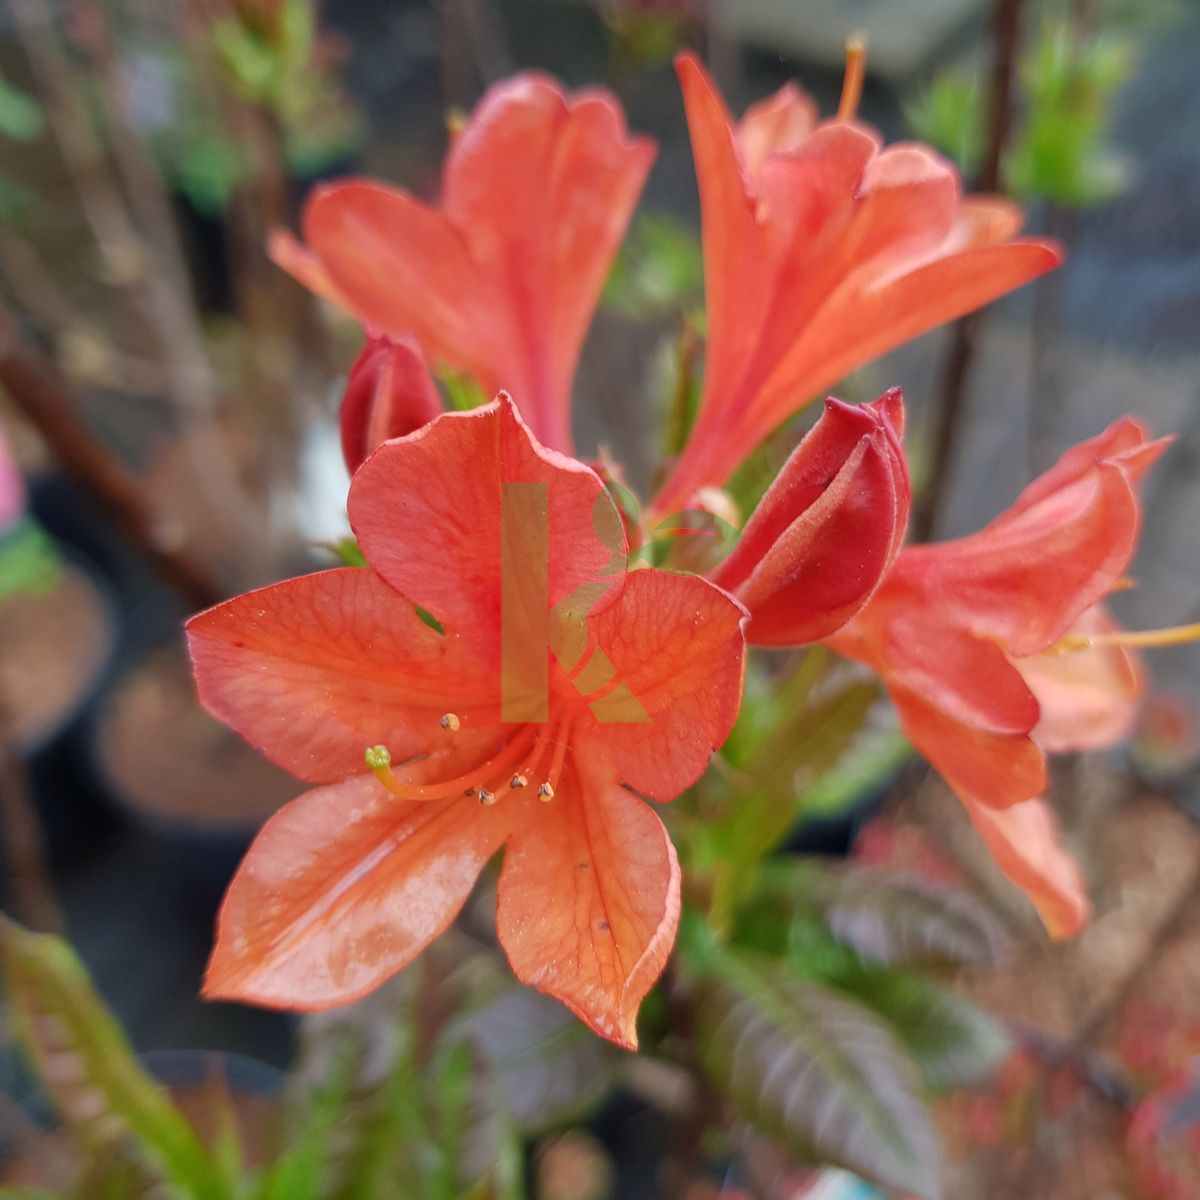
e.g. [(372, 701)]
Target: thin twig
[(948, 419), (43, 397), (145, 263)]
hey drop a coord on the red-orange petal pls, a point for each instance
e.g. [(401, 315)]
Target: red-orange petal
[(1088, 698), (776, 125), (589, 903), (733, 277), (342, 888), (543, 186), (675, 646), (314, 670), (863, 321), (977, 756), (303, 266), (404, 268), (1125, 443), (1024, 840), (818, 544), (389, 394), (429, 513), (1025, 579)]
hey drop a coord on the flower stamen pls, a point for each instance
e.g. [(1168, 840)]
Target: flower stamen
[(500, 764)]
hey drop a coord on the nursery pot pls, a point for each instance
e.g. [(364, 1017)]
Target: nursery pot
[(172, 769), (57, 648)]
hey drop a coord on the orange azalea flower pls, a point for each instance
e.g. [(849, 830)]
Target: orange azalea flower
[(501, 280), (508, 547), (828, 528), (963, 634), (822, 250)]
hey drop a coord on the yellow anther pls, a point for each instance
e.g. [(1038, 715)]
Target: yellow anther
[(545, 792), (486, 798), (517, 781), (451, 722)]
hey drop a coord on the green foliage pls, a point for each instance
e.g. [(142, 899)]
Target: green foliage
[(816, 1025), (821, 1075), (953, 1043), (110, 1105), (29, 561), (282, 66), (423, 1092), (659, 271), (21, 120), (892, 918), (461, 392), (1068, 87), (191, 142), (950, 115), (788, 735), (347, 551), (21, 116), (1059, 149)]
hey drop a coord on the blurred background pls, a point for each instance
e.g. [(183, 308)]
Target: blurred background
[(171, 402)]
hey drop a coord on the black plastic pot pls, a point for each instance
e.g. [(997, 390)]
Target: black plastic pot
[(205, 855), (64, 795)]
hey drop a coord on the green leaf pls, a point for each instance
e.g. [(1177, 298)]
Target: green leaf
[(659, 270), (803, 744), (347, 551), (85, 1064), (818, 1073), (20, 115), (953, 1042), (949, 115), (30, 563), (461, 391), (895, 918), (549, 1067), (429, 619), (870, 761), (302, 1171)]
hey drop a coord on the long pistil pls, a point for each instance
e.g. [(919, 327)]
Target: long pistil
[(1175, 635), (852, 80)]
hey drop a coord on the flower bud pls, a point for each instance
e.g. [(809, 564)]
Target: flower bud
[(389, 393), (828, 528)]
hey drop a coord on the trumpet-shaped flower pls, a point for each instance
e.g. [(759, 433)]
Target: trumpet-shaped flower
[(976, 640), (509, 685), (828, 528), (500, 280), (822, 250)]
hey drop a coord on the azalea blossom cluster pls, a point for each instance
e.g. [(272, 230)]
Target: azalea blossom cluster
[(500, 675)]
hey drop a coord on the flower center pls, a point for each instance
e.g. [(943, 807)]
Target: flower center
[(532, 756)]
